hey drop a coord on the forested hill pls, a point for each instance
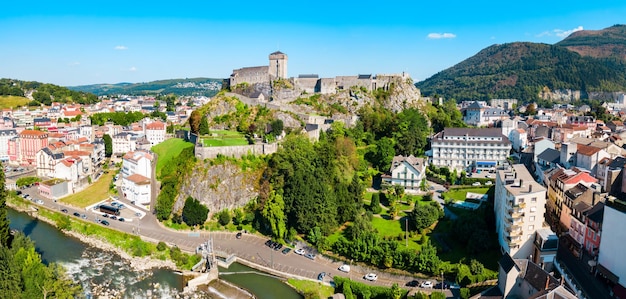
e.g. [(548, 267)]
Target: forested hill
[(42, 93), (608, 42), (521, 70), (182, 87)]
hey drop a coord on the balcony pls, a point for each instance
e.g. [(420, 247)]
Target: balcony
[(514, 231), (512, 221), (516, 213), (512, 241)]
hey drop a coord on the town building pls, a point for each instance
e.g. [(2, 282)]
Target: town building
[(469, 149), (519, 207), (5, 136), (138, 162), (155, 132), (137, 189), (24, 148), (611, 264), (407, 172)]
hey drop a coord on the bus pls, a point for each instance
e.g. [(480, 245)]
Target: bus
[(109, 210)]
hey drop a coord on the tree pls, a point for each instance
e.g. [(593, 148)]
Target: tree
[(396, 291), (194, 212), (194, 121), (203, 129), (223, 217), (108, 145), (277, 127), (423, 216), (4, 220), (384, 153), (273, 212), (375, 203)]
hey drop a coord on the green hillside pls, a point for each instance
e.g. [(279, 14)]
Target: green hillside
[(42, 93), (521, 70), (181, 87)]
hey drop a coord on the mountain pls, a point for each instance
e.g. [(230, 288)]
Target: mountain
[(182, 87), (36, 93), (525, 70), (608, 42)]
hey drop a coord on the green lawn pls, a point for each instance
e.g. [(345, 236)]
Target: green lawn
[(394, 229), (460, 194), (311, 287), (96, 192), (224, 138), (167, 150), (13, 101)]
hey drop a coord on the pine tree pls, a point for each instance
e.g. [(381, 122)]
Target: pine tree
[(4, 220)]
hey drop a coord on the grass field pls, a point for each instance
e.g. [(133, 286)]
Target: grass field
[(311, 287), (460, 194), (167, 150), (225, 138), (12, 101), (93, 194)]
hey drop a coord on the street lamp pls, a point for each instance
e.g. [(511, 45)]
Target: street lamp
[(442, 282)]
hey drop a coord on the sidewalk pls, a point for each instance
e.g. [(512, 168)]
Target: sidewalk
[(579, 269)]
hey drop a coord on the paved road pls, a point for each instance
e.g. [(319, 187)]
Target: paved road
[(250, 247)]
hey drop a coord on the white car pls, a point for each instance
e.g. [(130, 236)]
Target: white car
[(300, 251), (370, 276), (39, 201), (344, 268), (476, 184), (427, 284)]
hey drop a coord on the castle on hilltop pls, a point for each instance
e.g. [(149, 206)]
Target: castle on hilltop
[(310, 83)]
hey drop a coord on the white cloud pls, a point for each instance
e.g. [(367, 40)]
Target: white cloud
[(120, 48), (132, 69), (559, 32), (441, 35), (563, 34)]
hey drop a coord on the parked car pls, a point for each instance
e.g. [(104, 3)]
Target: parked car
[(321, 276), (113, 217), (427, 284), (39, 201), (76, 214), (238, 235), (278, 246), (83, 216), (286, 250), (300, 251), (105, 215), (344, 268), (121, 219), (488, 183), (268, 243), (64, 210), (439, 285), (310, 256), (413, 283), (370, 277), (104, 222), (476, 184)]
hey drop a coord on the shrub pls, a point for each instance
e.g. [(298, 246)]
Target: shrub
[(464, 293), (224, 217), (161, 246)]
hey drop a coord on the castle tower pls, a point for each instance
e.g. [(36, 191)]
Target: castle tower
[(278, 65)]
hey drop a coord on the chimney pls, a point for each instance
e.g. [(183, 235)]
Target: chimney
[(530, 188)]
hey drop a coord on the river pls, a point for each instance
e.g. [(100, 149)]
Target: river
[(95, 268)]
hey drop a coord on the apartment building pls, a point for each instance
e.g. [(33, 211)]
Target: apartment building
[(519, 209), (470, 149)]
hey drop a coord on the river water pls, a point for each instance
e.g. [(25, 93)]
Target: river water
[(95, 268)]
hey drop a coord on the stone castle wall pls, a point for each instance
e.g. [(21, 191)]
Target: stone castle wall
[(235, 151)]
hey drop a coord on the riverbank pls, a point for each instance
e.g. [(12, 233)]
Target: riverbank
[(136, 263)]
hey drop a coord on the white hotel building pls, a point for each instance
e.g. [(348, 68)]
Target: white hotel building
[(470, 148), (519, 207)]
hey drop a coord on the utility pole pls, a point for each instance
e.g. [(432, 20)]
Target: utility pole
[(406, 231), (442, 282)]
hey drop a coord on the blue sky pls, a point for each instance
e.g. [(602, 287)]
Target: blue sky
[(89, 42)]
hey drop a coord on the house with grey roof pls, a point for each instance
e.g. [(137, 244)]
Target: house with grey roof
[(407, 172)]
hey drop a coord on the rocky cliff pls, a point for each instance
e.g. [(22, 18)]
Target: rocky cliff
[(222, 186)]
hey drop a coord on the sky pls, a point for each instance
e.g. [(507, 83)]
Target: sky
[(88, 42)]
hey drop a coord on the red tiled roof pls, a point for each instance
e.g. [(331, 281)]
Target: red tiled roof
[(76, 153), (587, 150), (157, 125), (138, 179), (33, 133)]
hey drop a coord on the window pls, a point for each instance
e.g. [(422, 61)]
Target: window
[(533, 209), (534, 199), (531, 227), (531, 218)]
